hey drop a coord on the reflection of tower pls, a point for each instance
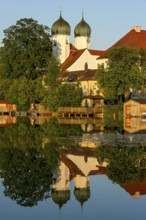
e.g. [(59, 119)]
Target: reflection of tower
[(82, 189), (61, 39), (60, 197), (61, 187), (82, 34)]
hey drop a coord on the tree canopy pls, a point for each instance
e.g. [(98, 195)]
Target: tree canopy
[(26, 49), (123, 73)]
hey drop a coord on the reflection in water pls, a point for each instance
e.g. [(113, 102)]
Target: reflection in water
[(39, 162)]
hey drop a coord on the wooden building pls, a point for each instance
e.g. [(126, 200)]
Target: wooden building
[(134, 124), (6, 107), (135, 108)]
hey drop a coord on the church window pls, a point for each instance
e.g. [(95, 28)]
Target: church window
[(86, 66)]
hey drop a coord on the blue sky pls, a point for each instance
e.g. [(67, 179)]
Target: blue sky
[(109, 19)]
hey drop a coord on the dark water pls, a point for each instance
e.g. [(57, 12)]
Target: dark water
[(63, 171)]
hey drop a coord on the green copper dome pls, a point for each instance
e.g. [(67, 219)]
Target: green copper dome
[(60, 197), (82, 195), (61, 27), (82, 29)]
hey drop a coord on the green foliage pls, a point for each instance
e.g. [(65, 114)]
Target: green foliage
[(27, 49), (4, 87), (58, 94), (142, 53), (23, 91), (27, 175), (29, 157), (51, 77), (122, 73), (69, 94), (113, 118), (26, 164), (123, 161)]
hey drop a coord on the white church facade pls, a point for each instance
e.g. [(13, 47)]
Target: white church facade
[(78, 62)]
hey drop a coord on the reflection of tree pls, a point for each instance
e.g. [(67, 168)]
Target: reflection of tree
[(27, 174), (126, 163), (21, 135), (29, 157), (61, 134), (26, 166)]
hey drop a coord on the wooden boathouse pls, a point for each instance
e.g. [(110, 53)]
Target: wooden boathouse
[(7, 108), (135, 108)]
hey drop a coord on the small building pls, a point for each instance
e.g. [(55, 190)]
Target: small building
[(6, 107), (135, 108), (134, 124), (7, 120)]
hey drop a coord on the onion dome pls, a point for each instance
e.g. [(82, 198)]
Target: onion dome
[(60, 197), (82, 29), (82, 195), (61, 27)]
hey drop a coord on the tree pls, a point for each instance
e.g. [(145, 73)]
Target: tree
[(58, 94), (23, 91), (26, 50), (69, 94), (122, 73)]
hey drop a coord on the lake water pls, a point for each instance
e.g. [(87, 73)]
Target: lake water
[(71, 171)]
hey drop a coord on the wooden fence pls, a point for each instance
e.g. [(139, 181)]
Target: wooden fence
[(79, 111)]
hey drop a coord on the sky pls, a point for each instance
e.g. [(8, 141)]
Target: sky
[(109, 19)]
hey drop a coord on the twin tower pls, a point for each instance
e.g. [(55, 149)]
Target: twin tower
[(61, 37)]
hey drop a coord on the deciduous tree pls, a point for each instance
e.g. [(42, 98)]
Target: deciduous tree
[(122, 73), (26, 49)]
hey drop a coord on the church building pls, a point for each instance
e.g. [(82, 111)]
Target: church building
[(78, 62)]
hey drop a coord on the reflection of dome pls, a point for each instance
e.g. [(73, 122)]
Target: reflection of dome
[(60, 197), (82, 29), (82, 195), (61, 27)]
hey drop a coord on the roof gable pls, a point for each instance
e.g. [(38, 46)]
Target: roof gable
[(96, 52), (141, 101), (134, 39), (74, 55)]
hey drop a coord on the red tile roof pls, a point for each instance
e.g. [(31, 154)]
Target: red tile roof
[(132, 188), (133, 39), (72, 47), (74, 55), (96, 52)]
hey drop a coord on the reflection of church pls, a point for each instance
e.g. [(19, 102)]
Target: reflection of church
[(78, 166)]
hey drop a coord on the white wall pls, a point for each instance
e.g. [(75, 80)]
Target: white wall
[(82, 42), (62, 48), (86, 57)]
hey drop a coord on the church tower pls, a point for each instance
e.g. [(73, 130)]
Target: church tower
[(82, 34), (61, 39)]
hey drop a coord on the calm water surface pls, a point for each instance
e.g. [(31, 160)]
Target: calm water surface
[(55, 171)]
